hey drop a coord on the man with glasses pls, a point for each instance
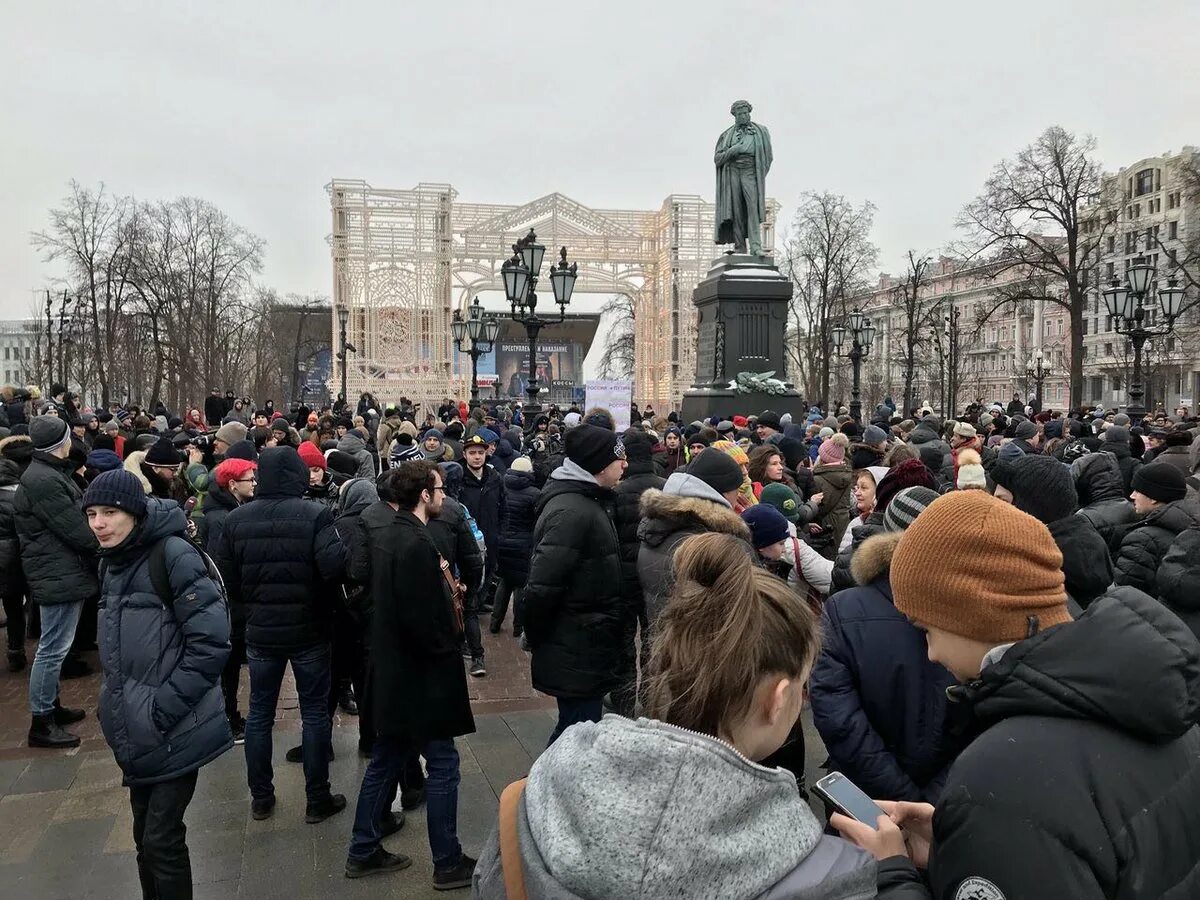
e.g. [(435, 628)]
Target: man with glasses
[(234, 481), (418, 687)]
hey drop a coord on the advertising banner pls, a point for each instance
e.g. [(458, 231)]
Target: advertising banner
[(615, 396)]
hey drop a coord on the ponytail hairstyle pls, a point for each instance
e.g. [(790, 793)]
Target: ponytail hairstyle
[(727, 625)]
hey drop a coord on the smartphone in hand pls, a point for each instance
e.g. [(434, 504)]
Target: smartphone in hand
[(847, 798)]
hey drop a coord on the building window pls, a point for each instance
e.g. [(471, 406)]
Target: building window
[(1172, 230), (1170, 345), (1173, 199), (1108, 350), (1085, 326), (1112, 243), (1130, 241), (1116, 381), (1143, 182), (7, 352)]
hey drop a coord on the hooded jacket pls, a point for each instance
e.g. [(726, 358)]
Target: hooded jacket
[(834, 481), (353, 498), (1083, 779), (572, 601), (685, 506), (1125, 461), (161, 708), (356, 447), (1145, 542), (640, 809), (516, 540), (877, 700), (58, 550), (1103, 500), (282, 556), (1087, 567)]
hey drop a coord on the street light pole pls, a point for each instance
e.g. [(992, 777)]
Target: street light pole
[(1037, 373), (520, 274), (482, 331), (343, 314), (862, 333), (1125, 304)]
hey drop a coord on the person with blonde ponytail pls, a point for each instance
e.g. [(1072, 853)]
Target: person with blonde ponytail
[(676, 804)]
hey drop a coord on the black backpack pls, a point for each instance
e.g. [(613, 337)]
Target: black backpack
[(161, 578)]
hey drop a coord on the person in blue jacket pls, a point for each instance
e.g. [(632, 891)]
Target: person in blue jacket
[(161, 708), (878, 702)]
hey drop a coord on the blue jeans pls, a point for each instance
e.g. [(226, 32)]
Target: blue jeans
[(571, 711), (311, 670), (441, 798), (58, 630)]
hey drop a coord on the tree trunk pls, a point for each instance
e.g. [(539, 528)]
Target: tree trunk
[(1076, 380)]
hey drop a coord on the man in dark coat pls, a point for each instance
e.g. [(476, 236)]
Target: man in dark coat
[(418, 686), (573, 609), (356, 496), (640, 476), (160, 704), (1103, 500), (15, 453), (284, 560), (1082, 778), (214, 408), (483, 494), (58, 553), (1116, 442), (456, 538), (516, 541), (1161, 513), (1043, 487)]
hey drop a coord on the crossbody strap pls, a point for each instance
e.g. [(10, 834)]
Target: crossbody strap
[(510, 847)]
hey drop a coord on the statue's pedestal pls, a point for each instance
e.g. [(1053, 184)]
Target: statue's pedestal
[(741, 324)]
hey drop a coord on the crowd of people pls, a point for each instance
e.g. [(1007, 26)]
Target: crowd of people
[(993, 617)]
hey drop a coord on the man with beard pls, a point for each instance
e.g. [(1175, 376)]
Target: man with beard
[(418, 685)]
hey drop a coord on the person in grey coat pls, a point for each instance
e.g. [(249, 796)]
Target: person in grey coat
[(160, 705), (356, 446)]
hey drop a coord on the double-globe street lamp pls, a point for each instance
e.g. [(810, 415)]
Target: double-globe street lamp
[(861, 333), (520, 275), (1037, 372), (482, 331), (343, 314), (1127, 305)]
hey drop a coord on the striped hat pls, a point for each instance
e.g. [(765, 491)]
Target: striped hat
[(906, 506)]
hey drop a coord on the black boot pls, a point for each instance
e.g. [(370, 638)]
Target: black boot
[(65, 715), (45, 732), (346, 701), (17, 660), (75, 667)]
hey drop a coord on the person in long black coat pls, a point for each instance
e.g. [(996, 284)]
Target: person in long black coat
[(640, 476), (516, 541), (418, 685), (1103, 500)]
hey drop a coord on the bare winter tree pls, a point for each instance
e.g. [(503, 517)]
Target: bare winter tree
[(1043, 213), (914, 326), (828, 254), (617, 361)]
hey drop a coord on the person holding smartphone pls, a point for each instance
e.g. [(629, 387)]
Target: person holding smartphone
[(1082, 779)]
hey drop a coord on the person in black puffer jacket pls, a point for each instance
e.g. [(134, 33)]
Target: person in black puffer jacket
[(15, 453), (516, 541), (1103, 500), (1043, 487), (1179, 578), (640, 476), (284, 559), (573, 611), (160, 704), (1059, 713), (1116, 442), (1162, 512)]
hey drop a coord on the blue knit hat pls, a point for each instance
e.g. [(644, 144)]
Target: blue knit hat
[(767, 525), (117, 488), (103, 460)]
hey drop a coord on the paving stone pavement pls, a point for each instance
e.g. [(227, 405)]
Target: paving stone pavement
[(66, 830)]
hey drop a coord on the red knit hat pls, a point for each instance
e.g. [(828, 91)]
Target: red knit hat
[(233, 470), (312, 456), (740, 421), (910, 473)]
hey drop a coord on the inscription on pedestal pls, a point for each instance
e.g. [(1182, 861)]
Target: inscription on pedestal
[(706, 350)]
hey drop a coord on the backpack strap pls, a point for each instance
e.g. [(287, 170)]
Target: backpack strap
[(159, 576), (510, 847)]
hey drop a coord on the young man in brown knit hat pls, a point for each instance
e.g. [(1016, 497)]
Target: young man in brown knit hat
[(1082, 776)]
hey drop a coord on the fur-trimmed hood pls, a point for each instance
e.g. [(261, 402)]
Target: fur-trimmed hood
[(663, 514), (873, 558), (133, 464)]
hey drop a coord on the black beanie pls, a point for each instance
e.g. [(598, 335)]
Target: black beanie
[(771, 419), (1160, 481), (242, 449), (119, 489), (718, 470), (163, 453), (1041, 486), (638, 446), (592, 448), (342, 463)]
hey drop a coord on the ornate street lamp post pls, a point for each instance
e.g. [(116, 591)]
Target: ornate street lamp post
[(520, 275), (1127, 305), (482, 332), (343, 314), (1037, 372), (862, 333)]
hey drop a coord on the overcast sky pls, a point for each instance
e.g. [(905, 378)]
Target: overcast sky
[(256, 105)]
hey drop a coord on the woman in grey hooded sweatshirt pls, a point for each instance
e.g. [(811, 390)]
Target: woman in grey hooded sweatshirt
[(675, 805)]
